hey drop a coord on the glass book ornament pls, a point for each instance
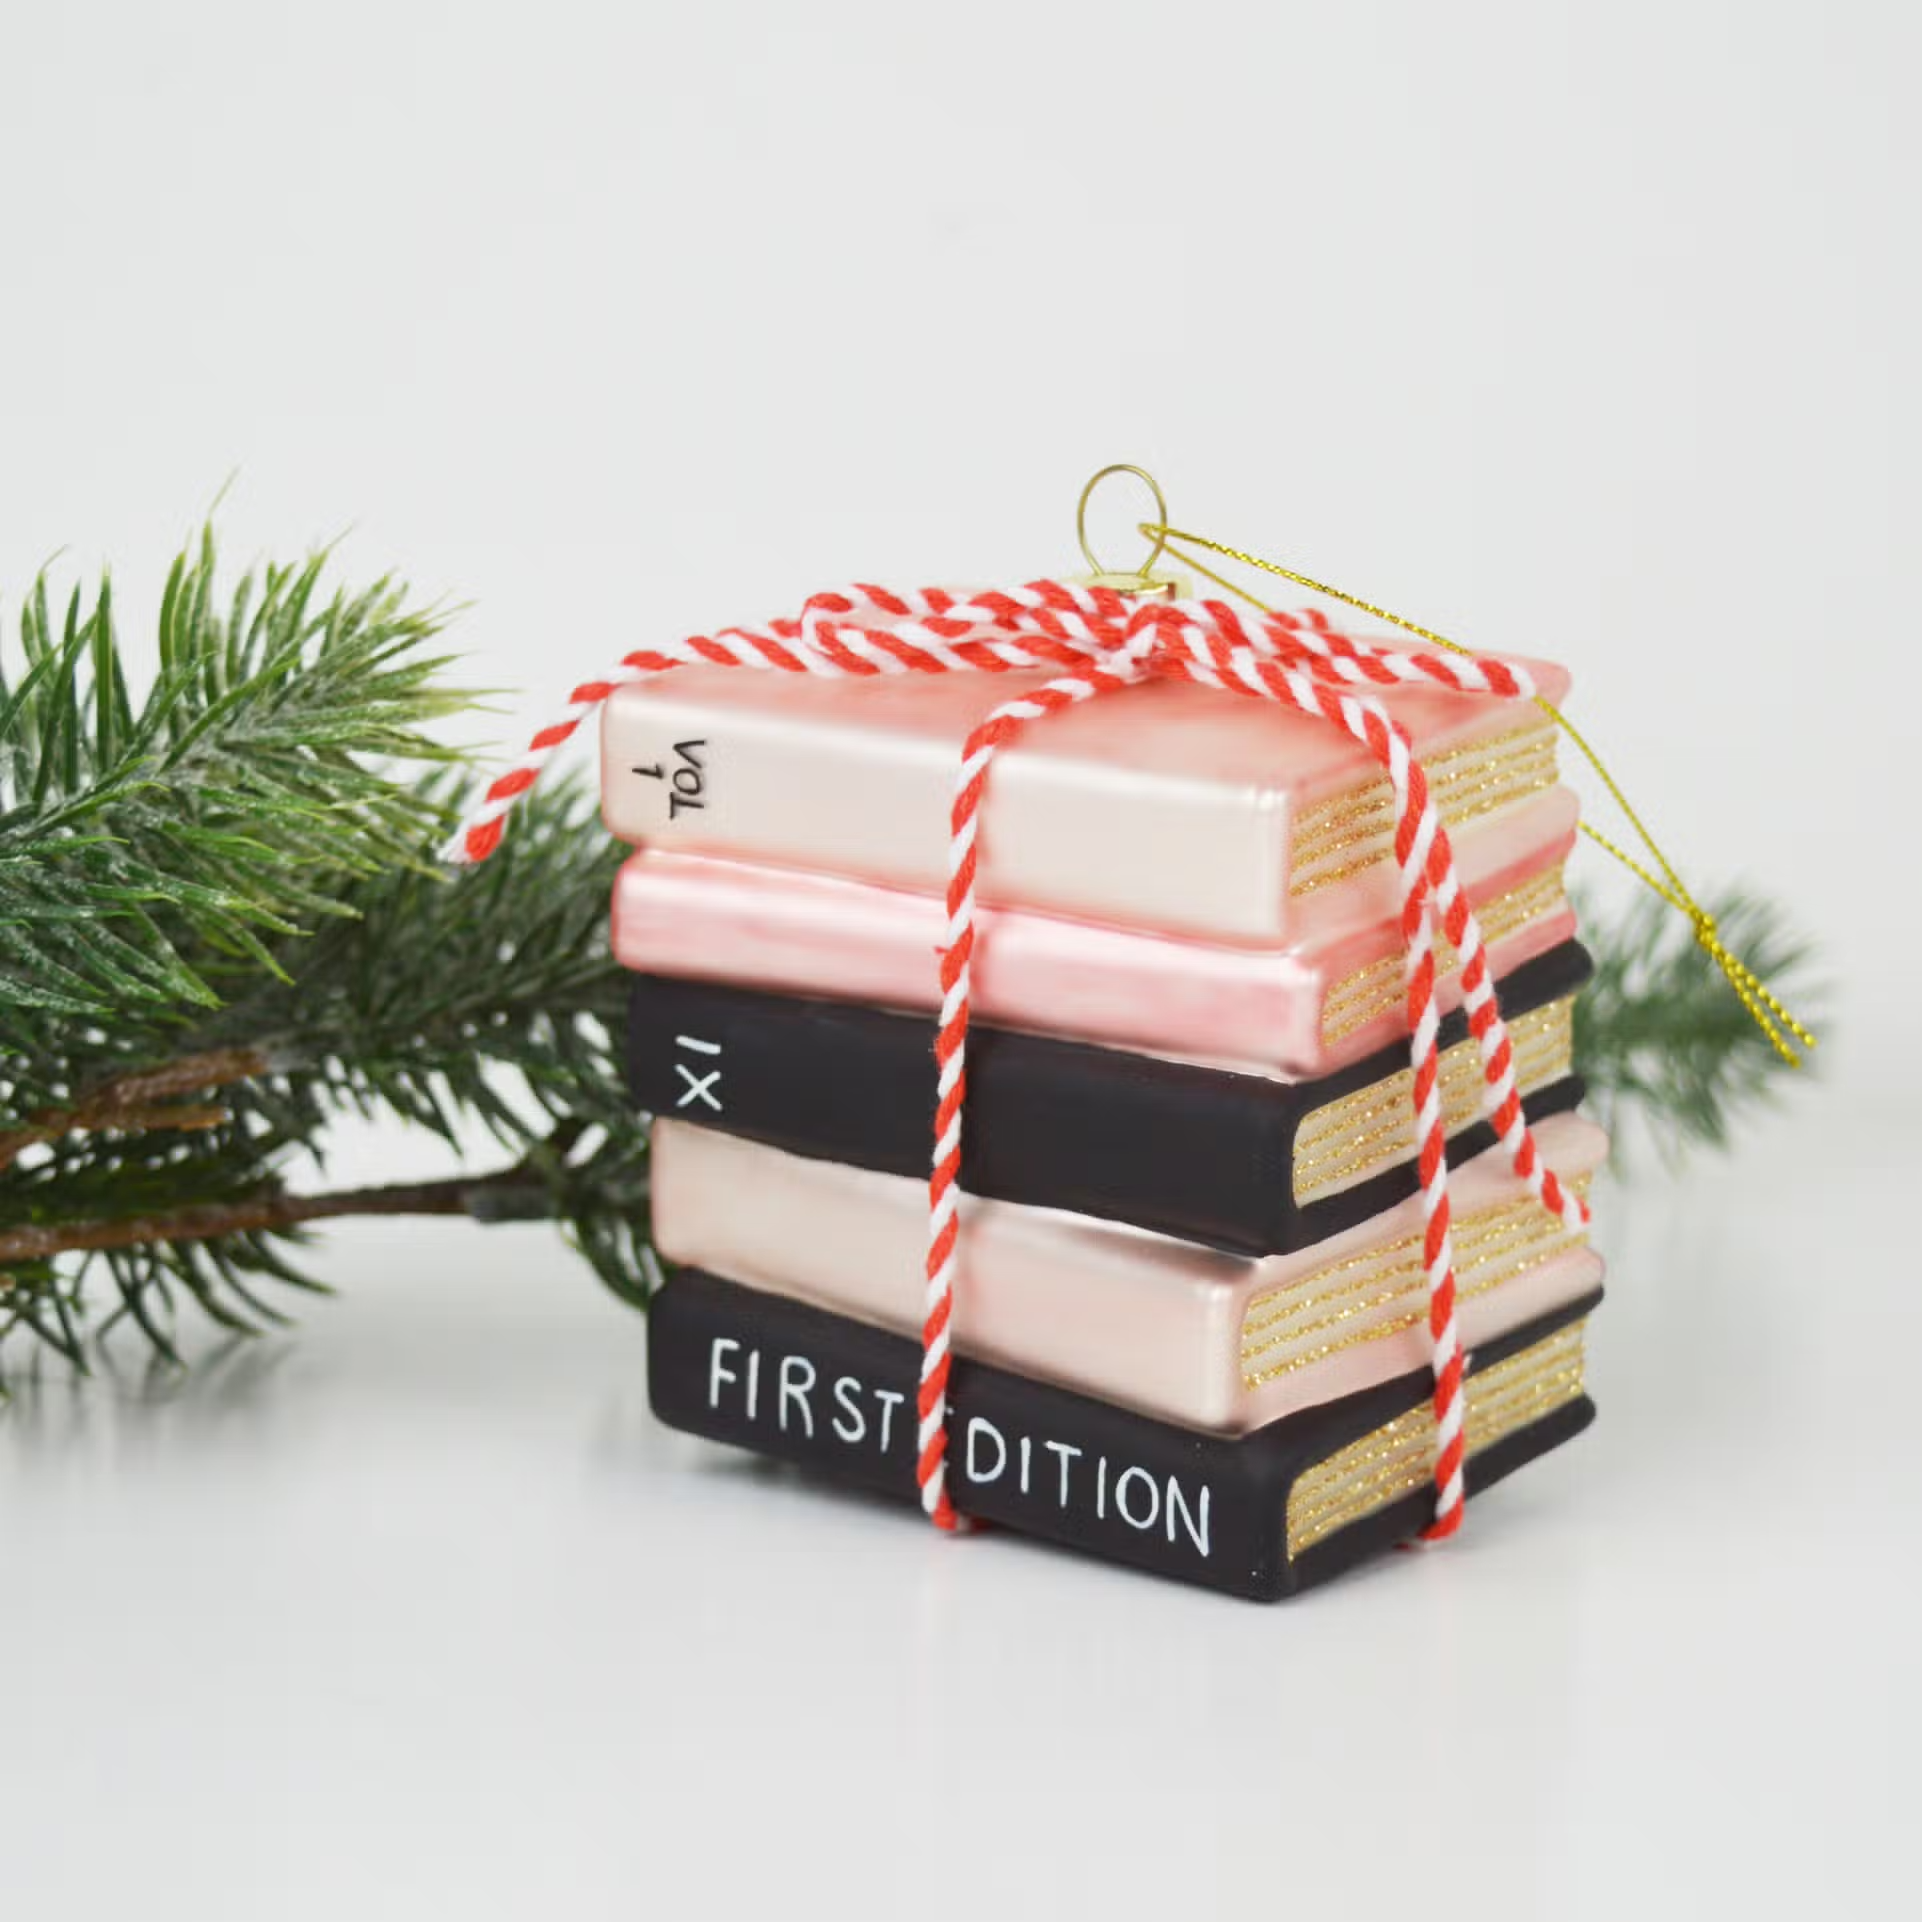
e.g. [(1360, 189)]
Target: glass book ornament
[(1163, 807), (1219, 967), (1193, 1201)]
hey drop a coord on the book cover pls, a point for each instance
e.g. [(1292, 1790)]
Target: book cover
[(1240, 1162), (1304, 1009), (1260, 1517), (1163, 806)]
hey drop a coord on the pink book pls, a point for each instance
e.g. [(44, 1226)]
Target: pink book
[(1330, 997), (1165, 1327), (1166, 807)]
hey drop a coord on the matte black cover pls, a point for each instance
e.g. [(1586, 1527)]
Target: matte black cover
[(1194, 1152), (836, 1395)]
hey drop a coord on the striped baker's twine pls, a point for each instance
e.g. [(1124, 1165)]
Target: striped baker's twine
[(1430, 891), (919, 635), (1101, 640)]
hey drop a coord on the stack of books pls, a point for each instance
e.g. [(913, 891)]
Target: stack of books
[(1190, 1312)]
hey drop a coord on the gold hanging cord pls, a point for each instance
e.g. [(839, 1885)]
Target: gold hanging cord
[(1764, 1009)]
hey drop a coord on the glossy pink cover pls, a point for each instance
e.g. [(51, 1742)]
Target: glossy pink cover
[(1256, 1010), (1133, 1317), (1165, 806)]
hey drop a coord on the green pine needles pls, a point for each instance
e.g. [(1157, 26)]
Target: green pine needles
[(224, 926), (1660, 1037), (149, 851)]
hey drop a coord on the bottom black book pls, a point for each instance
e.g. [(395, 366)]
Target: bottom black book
[(1261, 1515)]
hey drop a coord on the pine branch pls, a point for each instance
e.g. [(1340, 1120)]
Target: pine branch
[(149, 848), (1658, 1033), (510, 1194), (134, 1103), (436, 997), (270, 944)]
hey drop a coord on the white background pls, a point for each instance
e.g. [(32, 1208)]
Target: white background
[(1589, 331)]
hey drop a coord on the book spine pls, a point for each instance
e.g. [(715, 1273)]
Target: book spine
[(1202, 1155), (817, 782), (836, 1396)]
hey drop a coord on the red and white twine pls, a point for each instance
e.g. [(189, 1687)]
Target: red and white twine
[(1099, 640)]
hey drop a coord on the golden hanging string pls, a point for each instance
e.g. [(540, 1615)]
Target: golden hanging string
[(1764, 1009)]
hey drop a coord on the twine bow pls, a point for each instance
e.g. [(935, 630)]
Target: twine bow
[(1098, 639)]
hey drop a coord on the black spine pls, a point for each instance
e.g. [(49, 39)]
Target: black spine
[(834, 1395), (1198, 1153)]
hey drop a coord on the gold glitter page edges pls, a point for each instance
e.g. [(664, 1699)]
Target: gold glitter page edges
[(1382, 1291), (1377, 988), (1349, 832), (1398, 1458), (1349, 1139)]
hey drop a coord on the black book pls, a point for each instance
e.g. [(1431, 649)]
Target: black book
[(1233, 1160), (1260, 1515)]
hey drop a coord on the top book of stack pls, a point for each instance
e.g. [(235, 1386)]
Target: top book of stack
[(1165, 806)]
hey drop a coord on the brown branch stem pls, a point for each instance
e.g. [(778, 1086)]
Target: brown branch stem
[(142, 1100), (266, 1212)]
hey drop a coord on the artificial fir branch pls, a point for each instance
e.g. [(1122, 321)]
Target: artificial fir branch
[(1659, 1036), (438, 998), (510, 1194), (133, 1103), (215, 811), (250, 936)]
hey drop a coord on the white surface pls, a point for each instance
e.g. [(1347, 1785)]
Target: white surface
[(420, 1614), (1586, 330)]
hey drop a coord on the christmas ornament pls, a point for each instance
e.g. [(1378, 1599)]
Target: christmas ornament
[(1234, 857), (1261, 1516)]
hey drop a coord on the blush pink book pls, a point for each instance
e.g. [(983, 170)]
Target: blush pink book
[(1165, 807), (1210, 1340), (1287, 1012)]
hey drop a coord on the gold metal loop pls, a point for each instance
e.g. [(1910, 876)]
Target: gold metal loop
[(1145, 572)]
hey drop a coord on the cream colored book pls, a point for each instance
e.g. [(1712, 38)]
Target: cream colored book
[(1165, 807)]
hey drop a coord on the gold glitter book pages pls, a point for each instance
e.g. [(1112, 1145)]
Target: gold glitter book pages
[(1397, 1459), (1358, 1135)]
